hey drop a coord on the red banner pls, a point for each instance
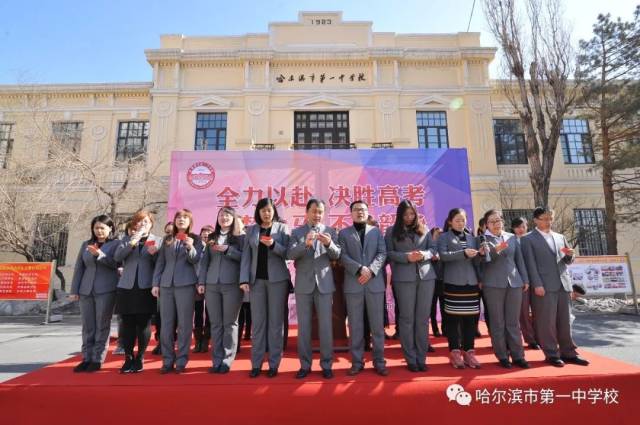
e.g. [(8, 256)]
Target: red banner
[(24, 281)]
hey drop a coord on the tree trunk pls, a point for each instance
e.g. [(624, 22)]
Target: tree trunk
[(610, 221)]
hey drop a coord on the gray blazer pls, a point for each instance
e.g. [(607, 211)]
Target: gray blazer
[(458, 269), (136, 262), (97, 274), (546, 268), (354, 256), (177, 267), (221, 267), (397, 255), (313, 266), (506, 269), (276, 261)]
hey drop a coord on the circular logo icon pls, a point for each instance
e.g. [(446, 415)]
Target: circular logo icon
[(201, 175)]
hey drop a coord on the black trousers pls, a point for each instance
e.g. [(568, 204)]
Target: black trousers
[(244, 321), (461, 331), (199, 314), (438, 295), (136, 327)]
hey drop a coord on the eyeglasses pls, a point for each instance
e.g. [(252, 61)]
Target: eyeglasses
[(360, 209)]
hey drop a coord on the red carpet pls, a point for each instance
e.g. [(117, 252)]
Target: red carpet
[(55, 394)]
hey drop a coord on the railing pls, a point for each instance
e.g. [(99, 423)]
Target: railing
[(307, 146), (382, 145)]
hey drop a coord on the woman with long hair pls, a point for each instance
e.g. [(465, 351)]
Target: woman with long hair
[(134, 302), (219, 282), (264, 273), (174, 282), (94, 284), (411, 251)]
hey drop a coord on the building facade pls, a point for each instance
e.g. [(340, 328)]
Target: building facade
[(319, 82)]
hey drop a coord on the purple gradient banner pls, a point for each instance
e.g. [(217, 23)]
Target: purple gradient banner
[(435, 179)]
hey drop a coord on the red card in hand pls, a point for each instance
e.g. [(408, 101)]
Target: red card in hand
[(265, 238), (503, 245), (181, 236), (95, 246), (150, 243), (564, 250)]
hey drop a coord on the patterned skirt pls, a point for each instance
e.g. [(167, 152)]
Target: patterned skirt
[(461, 300)]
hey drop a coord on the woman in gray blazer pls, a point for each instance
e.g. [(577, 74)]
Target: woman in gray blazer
[(264, 273), (504, 278), (174, 282), (219, 281), (134, 303), (458, 251), (94, 283), (410, 251)]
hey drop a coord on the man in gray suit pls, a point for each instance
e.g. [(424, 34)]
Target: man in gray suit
[(363, 256), (312, 246), (547, 256)]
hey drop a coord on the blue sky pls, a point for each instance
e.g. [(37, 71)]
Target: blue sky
[(69, 41)]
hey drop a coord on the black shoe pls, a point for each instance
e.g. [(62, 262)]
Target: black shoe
[(534, 346), (272, 372), (522, 363), (436, 333), (422, 368), (382, 371), (354, 370), (81, 367), (127, 367), (138, 363), (94, 367), (413, 368), (430, 349), (555, 361), (302, 373), (254, 373), (214, 369), (156, 351), (180, 369), (224, 369), (478, 334), (505, 363), (576, 360), (166, 369), (327, 373)]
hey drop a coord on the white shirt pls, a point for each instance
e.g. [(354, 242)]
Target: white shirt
[(499, 238), (549, 238)]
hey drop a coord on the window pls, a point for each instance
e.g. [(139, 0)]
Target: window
[(6, 143), (50, 237), (576, 142), (509, 139), (211, 131), (432, 130), (592, 238), (321, 130), (509, 215), (67, 135), (133, 137)]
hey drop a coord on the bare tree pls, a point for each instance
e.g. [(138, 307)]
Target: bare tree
[(54, 180), (538, 60)]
